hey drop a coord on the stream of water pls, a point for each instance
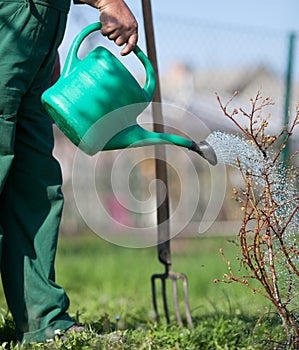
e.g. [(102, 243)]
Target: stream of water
[(237, 152)]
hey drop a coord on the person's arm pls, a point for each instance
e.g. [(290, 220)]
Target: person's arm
[(118, 22)]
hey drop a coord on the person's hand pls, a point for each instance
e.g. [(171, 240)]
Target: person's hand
[(118, 23)]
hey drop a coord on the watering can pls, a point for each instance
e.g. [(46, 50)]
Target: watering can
[(96, 101)]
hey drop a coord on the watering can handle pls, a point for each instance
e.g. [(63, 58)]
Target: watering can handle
[(72, 59)]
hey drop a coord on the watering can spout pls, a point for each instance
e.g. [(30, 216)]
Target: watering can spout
[(136, 136), (204, 149)]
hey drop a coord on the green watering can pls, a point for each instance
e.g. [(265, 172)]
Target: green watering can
[(96, 101)]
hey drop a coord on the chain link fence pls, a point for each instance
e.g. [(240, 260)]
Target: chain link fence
[(196, 60)]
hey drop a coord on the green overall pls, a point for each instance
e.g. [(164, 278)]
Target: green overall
[(30, 178)]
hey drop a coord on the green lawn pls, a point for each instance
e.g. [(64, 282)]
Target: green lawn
[(109, 288), (117, 280)]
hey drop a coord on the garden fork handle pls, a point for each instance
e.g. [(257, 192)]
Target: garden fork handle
[(160, 153), (163, 247)]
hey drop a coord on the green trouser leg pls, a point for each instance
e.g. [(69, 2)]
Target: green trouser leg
[(30, 178)]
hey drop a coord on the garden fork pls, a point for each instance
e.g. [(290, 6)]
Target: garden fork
[(162, 199)]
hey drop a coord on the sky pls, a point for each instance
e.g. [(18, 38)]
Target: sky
[(274, 15), (282, 14), (176, 44)]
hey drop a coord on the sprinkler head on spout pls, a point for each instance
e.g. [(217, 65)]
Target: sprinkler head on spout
[(205, 150)]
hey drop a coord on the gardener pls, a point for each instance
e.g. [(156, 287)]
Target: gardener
[(30, 178)]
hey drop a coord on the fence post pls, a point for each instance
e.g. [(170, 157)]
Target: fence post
[(288, 88)]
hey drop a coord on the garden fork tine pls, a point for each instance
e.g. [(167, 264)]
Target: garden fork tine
[(163, 277), (176, 276)]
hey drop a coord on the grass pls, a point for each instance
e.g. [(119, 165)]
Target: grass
[(109, 288)]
